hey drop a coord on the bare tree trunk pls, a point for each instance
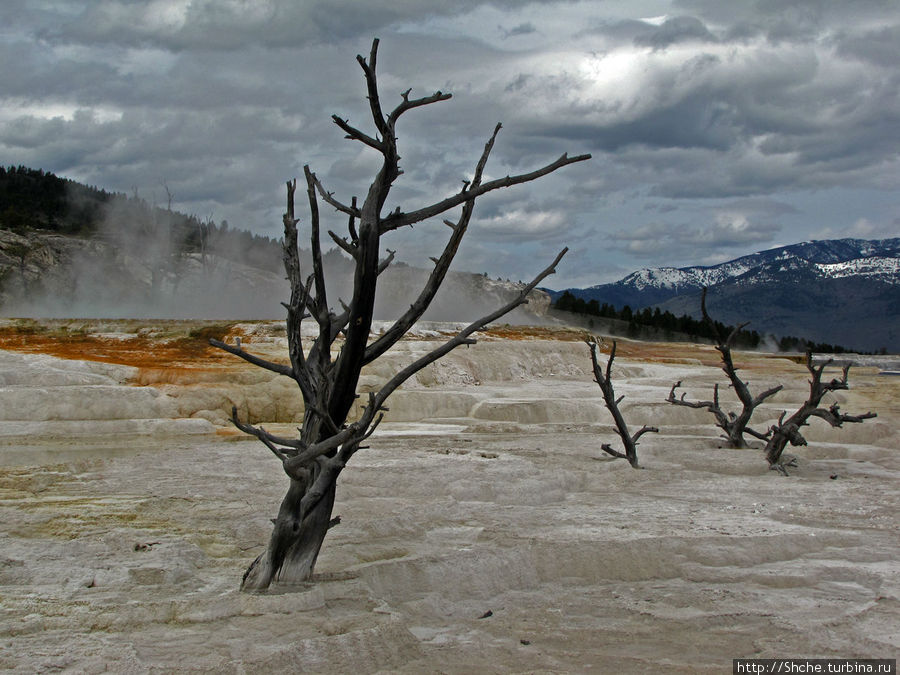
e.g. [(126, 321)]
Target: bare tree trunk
[(778, 442), (327, 374), (734, 425), (788, 431), (294, 545), (604, 380)]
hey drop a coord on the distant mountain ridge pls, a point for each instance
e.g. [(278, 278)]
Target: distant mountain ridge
[(843, 291)]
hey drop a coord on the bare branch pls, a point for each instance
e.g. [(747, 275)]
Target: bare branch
[(787, 431), (438, 274), (724, 420), (463, 336), (343, 243), (397, 220), (351, 225), (351, 435), (606, 447), (643, 430), (409, 105), (757, 434), (768, 393), (612, 404), (355, 134), (836, 418), (328, 198), (299, 297), (268, 439), (609, 361), (316, 450), (279, 368), (733, 424), (372, 85), (320, 307), (384, 264)]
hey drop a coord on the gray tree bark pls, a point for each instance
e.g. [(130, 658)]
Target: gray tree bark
[(787, 431), (735, 425), (604, 380), (327, 372)]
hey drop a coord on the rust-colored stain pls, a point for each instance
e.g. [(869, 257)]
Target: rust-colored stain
[(186, 348), (174, 351), (510, 332), (664, 352)]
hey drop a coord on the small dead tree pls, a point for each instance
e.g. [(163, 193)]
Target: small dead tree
[(788, 430), (735, 425), (604, 379), (328, 381)]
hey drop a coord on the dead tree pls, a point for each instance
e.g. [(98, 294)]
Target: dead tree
[(327, 373), (735, 425), (604, 379), (788, 430)]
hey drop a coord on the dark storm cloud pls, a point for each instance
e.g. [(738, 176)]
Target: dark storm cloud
[(770, 120), (651, 239), (231, 24), (521, 29), (879, 46), (687, 106)]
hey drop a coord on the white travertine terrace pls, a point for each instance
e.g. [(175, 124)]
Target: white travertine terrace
[(129, 509)]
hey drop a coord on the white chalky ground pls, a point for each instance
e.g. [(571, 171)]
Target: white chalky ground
[(129, 512)]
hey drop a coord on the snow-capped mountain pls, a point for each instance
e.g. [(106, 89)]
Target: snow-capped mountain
[(825, 259), (876, 267), (844, 291)]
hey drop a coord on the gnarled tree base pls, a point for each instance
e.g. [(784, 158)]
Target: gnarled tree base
[(290, 557), (782, 465)]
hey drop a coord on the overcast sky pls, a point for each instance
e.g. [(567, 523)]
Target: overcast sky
[(716, 128)]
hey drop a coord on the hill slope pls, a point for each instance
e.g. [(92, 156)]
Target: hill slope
[(70, 250)]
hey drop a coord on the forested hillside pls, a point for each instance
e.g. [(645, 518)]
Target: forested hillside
[(33, 199), (655, 324)]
